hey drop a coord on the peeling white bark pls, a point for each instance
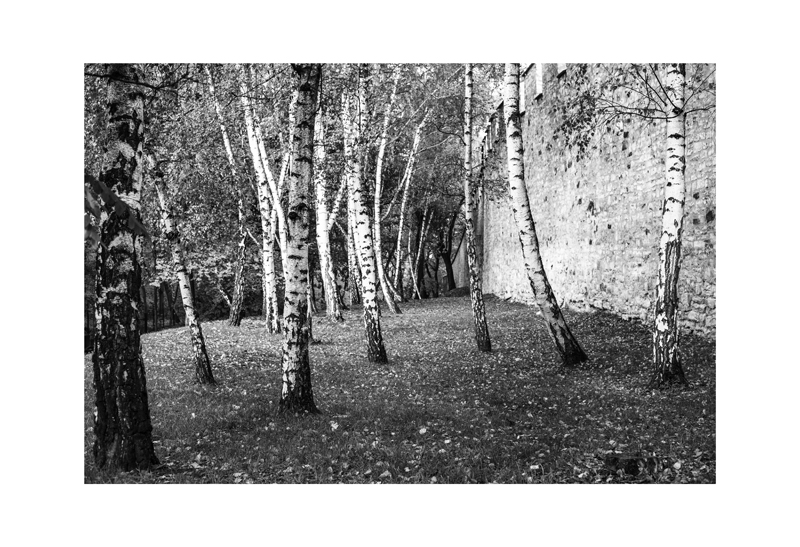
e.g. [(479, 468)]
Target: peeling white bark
[(323, 222), (122, 426), (296, 392), (352, 112), (203, 371), (667, 362), (406, 184), (482, 337), (267, 211), (389, 294), (566, 344)]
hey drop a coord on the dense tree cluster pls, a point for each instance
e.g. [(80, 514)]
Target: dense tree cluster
[(281, 190)]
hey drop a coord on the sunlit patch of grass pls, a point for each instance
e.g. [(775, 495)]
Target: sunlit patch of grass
[(439, 411)]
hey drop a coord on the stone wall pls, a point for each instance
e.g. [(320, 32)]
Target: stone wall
[(598, 214)]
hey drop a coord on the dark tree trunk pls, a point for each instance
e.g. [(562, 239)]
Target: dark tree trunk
[(122, 427), (175, 296), (170, 309), (143, 292), (235, 317), (448, 268), (161, 305), (193, 286), (446, 251), (340, 291), (418, 267), (156, 295), (400, 288), (434, 275)]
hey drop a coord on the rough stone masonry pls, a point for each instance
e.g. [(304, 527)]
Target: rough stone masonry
[(598, 214)]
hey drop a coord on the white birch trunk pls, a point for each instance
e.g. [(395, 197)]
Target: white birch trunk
[(389, 293), (351, 117), (406, 183), (354, 273), (482, 337), (332, 309), (412, 272), (296, 392), (667, 361), (268, 213), (202, 363), (566, 344)]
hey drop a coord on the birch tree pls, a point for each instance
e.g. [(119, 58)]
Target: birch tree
[(566, 344), (268, 211), (325, 218), (405, 183), (122, 427), (654, 93), (353, 110), (475, 282), (296, 391), (389, 293), (235, 301), (445, 246), (353, 270), (419, 260), (667, 361), (202, 363)]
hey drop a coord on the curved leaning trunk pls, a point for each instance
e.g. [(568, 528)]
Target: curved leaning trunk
[(406, 183), (665, 334), (412, 271), (566, 344), (398, 247), (372, 323), (122, 427), (482, 338), (202, 363), (296, 392), (363, 234), (389, 294)]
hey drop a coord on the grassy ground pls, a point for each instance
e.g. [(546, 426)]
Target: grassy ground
[(439, 411)]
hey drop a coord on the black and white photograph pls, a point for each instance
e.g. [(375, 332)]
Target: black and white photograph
[(352, 277), (400, 273)]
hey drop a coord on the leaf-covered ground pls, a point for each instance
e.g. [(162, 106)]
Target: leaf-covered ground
[(439, 412)]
